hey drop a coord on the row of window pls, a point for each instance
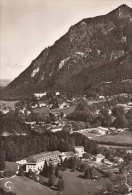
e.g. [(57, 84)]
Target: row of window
[(47, 157)]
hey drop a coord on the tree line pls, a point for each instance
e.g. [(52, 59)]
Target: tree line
[(13, 148)]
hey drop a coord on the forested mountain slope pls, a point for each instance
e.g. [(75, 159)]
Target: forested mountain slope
[(93, 50)]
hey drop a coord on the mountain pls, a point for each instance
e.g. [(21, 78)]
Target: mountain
[(92, 52)]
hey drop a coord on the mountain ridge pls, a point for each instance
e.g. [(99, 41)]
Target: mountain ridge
[(92, 42)]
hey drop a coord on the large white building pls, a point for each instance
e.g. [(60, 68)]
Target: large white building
[(36, 162)]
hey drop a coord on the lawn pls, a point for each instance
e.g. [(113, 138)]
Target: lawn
[(125, 137), (25, 186), (66, 110), (75, 184), (42, 111), (8, 103)]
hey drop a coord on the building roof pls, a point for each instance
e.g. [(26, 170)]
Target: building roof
[(100, 156), (34, 158), (70, 153), (117, 158), (78, 147)]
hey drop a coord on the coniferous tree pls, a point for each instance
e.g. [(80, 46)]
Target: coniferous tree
[(57, 172), (60, 185), (2, 164)]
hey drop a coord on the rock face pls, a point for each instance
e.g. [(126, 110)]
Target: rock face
[(87, 46)]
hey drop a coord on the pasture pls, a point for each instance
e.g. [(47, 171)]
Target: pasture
[(10, 104), (75, 184), (41, 111), (125, 137), (66, 110), (25, 186)]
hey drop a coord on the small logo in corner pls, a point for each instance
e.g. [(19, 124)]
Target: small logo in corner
[(9, 186)]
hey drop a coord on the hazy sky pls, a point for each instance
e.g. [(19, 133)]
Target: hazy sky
[(28, 26)]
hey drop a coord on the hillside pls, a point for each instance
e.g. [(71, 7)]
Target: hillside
[(93, 51)]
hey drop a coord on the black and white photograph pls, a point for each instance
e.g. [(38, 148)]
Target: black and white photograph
[(65, 97)]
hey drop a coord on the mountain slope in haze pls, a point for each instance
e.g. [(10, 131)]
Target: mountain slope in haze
[(91, 48)]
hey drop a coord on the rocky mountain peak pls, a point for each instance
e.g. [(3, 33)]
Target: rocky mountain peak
[(91, 43)]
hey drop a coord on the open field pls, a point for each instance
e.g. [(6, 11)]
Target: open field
[(8, 103), (90, 102), (41, 111), (76, 185), (116, 147), (25, 186), (125, 137), (66, 110)]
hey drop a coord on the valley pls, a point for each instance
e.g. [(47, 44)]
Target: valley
[(66, 120)]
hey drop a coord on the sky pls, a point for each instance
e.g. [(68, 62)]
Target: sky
[(29, 26)]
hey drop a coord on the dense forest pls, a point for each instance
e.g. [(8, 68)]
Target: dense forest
[(12, 123), (13, 148)]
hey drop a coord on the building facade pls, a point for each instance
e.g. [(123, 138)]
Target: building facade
[(79, 150), (36, 162)]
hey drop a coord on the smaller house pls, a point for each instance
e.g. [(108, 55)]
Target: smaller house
[(79, 150), (129, 151), (30, 122), (101, 97), (108, 162), (120, 130), (5, 110), (57, 93), (118, 159), (96, 112), (129, 104), (41, 104), (63, 105), (34, 106), (39, 95), (99, 157)]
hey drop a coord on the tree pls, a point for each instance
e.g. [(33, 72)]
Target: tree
[(122, 189), (2, 164), (50, 170), (86, 174), (65, 164), (85, 155), (21, 172), (83, 167), (89, 173), (121, 121), (57, 172), (61, 114), (45, 170), (31, 174), (52, 179), (60, 185), (67, 128)]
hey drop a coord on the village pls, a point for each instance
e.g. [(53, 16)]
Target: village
[(59, 108)]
